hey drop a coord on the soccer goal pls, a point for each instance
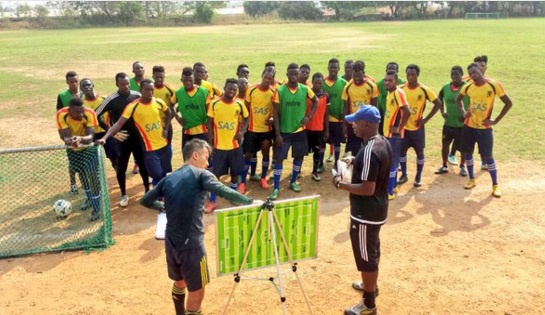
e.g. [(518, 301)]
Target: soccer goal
[(34, 181), (486, 15)]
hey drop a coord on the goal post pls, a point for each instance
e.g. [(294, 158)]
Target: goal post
[(485, 15), (32, 179)]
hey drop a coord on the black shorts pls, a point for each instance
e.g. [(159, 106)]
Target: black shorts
[(336, 135), (252, 140), (227, 161), (365, 245), (353, 143), (483, 137), (298, 143), (315, 140), (414, 139), (187, 264), (187, 138), (453, 134)]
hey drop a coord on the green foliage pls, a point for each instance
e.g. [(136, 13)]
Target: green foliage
[(299, 10), (23, 11), (203, 12), (260, 8), (345, 10)]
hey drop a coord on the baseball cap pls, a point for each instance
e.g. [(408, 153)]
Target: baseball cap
[(368, 113)]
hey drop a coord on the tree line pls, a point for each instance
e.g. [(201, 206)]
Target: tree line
[(134, 13)]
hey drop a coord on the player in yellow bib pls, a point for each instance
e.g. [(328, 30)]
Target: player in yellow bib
[(359, 91), (417, 95), (76, 125), (478, 122), (164, 92), (93, 101), (226, 132), (150, 115)]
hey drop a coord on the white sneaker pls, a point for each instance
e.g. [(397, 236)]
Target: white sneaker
[(124, 201), (360, 309), (452, 160)]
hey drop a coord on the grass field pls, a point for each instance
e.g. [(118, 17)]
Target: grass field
[(33, 64)]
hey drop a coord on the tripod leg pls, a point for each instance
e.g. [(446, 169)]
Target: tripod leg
[(273, 234), (290, 258), (237, 277)]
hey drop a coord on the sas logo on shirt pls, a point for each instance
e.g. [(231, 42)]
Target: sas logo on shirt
[(478, 107), (261, 111), (225, 125), (153, 126)]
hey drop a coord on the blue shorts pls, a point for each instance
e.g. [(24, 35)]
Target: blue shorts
[(158, 163), (414, 139), (336, 135), (189, 265), (296, 141), (483, 137), (227, 161), (395, 143)]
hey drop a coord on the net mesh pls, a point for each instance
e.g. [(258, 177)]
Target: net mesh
[(32, 180)]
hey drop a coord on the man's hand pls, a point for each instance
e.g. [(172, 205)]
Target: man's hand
[(239, 136), (326, 136), (279, 141), (421, 122), (349, 160), (305, 120), (121, 136), (489, 122), (394, 130), (100, 142)]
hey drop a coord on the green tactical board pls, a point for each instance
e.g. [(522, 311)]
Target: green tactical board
[(298, 219)]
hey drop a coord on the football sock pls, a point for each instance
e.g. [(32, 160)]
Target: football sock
[(469, 162), (212, 197), (369, 299), (419, 167), (492, 170), (234, 185), (264, 167), (178, 297), (253, 165), (392, 181), (403, 164), (244, 171), (337, 154), (296, 170), (315, 162), (277, 174), (95, 201)]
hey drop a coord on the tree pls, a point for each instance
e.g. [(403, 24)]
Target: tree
[(23, 11), (129, 11), (259, 8), (203, 12), (297, 10)]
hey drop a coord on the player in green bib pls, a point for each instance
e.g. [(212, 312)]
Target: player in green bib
[(192, 103), (452, 128), (63, 100), (290, 118), (334, 87)]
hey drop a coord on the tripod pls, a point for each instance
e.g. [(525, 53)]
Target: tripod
[(273, 225)]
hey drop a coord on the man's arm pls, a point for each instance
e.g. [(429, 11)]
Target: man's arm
[(506, 107), (166, 120), (210, 134), (405, 118), (437, 105), (366, 188), (210, 183), (460, 103), (101, 109), (150, 199), (60, 105), (313, 108), (276, 121), (112, 131)]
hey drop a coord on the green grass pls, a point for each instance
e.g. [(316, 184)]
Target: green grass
[(33, 63)]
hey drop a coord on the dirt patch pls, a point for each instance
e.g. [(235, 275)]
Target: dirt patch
[(445, 250)]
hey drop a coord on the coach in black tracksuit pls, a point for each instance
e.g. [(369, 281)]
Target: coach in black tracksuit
[(115, 104), (368, 201)]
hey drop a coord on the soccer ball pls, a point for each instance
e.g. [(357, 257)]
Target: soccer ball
[(62, 208)]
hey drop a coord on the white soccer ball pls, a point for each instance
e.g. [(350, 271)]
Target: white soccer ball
[(62, 208)]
